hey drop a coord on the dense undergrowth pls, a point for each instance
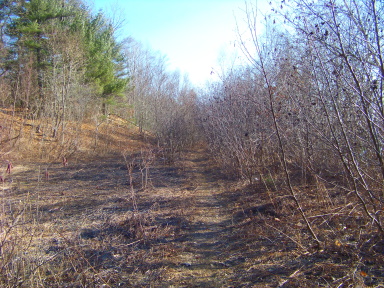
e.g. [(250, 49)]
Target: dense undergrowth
[(119, 213)]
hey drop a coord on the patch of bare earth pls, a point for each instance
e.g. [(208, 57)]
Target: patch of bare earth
[(204, 259), (86, 226)]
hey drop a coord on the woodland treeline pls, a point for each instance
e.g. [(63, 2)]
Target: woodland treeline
[(307, 105), (57, 57), (62, 62)]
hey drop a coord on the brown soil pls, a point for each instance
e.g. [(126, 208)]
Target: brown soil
[(193, 227)]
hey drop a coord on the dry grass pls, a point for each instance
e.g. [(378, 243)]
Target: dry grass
[(189, 226), (274, 235), (32, 140)]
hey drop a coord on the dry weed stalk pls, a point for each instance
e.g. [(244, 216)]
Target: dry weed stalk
[(20, 262), (137, 220), (147, 158), (130, 162)]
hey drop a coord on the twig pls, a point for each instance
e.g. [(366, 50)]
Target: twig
[(294, 241)]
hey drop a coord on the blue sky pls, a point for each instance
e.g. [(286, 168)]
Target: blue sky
[(192, 33)]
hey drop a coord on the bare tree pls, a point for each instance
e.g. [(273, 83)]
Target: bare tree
[(163, 102), (265, 63), (344, 43)]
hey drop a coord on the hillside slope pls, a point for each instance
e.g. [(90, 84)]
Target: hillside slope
[(39, 140)]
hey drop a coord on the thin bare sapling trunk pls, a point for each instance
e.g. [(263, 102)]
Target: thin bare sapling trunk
[(260, 65)]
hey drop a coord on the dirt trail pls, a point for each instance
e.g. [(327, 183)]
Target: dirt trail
[(205, 261)]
